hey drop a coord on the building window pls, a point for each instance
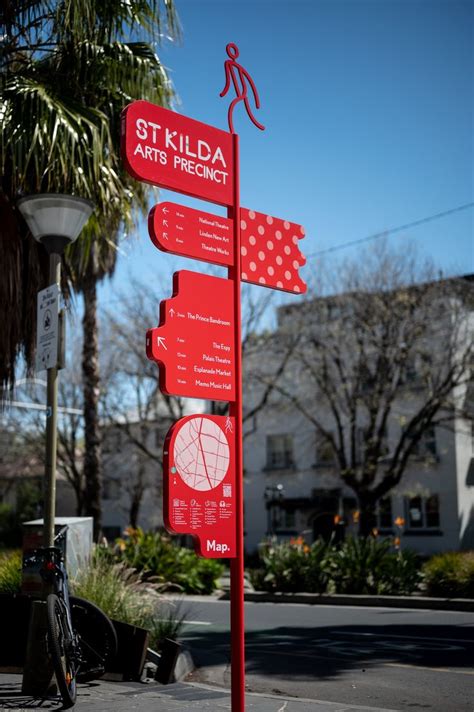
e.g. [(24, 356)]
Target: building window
[(324, 453), (290, 519), (426, 446), (423, 512), (279, 452)]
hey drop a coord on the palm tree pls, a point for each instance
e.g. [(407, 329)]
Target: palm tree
[(67, 68)]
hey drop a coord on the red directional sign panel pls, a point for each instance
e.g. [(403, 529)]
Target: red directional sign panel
[(191, 233), (270, 255), (199, 483), (194, 343), (173, 151), (270, 252)]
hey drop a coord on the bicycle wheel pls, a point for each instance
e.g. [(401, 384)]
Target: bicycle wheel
[(97, 638), (60, 644)]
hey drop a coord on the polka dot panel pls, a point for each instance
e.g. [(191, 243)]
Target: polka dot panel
[(270, 252)]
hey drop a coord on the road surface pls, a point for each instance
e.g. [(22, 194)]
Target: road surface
[(387, 658)]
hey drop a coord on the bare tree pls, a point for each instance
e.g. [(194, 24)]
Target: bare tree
[(132, 403), (391, 350), (26, 418)]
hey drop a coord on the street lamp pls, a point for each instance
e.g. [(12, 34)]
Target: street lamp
[(273, 495), (54, 220)]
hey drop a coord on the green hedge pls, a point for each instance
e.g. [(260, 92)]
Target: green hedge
[(10, 571), (450, 574), (356, 566)]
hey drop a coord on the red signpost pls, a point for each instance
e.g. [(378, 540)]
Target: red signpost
[(198, 341)]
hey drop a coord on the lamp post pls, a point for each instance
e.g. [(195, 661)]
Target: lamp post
[(54, 220), (273, 495)]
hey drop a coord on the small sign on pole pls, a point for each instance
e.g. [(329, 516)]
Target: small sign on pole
[(47, 335)]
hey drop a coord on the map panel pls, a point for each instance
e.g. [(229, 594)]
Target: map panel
[(199, 483)]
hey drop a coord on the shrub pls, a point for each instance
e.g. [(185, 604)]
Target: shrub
[(292, 566), (122, 594), (450, 574), (154, 554), (355, 566), (368, 566), (10, 572)]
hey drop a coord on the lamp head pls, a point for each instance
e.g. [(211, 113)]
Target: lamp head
[(55, 219)]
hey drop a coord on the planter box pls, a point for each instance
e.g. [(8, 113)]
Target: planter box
[(132, 648), (14, 620)]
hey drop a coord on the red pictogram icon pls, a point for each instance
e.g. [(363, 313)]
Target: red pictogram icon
[(239, 76), (199, 483)]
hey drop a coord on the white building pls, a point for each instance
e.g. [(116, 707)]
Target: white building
[(292, 482)]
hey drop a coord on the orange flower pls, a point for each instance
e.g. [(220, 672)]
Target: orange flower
[(396, 542), (338, 519), (355, 516), (375, 531), (306, 548), (399, 522)]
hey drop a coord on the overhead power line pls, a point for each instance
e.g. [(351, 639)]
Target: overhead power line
[(392, 230)]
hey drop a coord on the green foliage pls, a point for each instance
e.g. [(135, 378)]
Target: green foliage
[(10, 572), (450, 574), (292, 566), (123, 595), (155, 555), (356, 566), (369, 566)]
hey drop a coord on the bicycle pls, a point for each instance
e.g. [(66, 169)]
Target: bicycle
[(81, 639)]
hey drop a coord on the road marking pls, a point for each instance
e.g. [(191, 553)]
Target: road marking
[(283, 707), (430, 669), (197, 623), (406, 637)]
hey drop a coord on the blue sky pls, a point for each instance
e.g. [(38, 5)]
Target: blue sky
[(368, 108)]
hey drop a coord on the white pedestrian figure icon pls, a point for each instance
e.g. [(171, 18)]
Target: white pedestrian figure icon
[(228, 425)]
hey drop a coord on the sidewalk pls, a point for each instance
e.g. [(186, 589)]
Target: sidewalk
[(102, 696)]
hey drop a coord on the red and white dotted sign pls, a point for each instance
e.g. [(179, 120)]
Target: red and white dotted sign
[(269, 251)]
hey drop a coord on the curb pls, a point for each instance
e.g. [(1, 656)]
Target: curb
[(339, 599)]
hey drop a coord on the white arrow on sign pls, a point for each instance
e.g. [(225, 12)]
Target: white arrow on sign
[(166, 211), (165, 222), (171, 311), (161, 342), (165, 235)]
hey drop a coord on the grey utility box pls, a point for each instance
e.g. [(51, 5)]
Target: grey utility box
[(76, 546)]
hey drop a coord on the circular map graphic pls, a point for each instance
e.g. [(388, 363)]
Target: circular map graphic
[(201, 453)]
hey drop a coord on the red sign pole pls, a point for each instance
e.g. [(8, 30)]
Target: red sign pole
[(235, 409)]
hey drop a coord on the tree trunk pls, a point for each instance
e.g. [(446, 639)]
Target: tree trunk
[(367, 519), (91, 384), (137, 494)]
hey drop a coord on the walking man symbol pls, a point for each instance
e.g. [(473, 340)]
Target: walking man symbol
[(239, 76)]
